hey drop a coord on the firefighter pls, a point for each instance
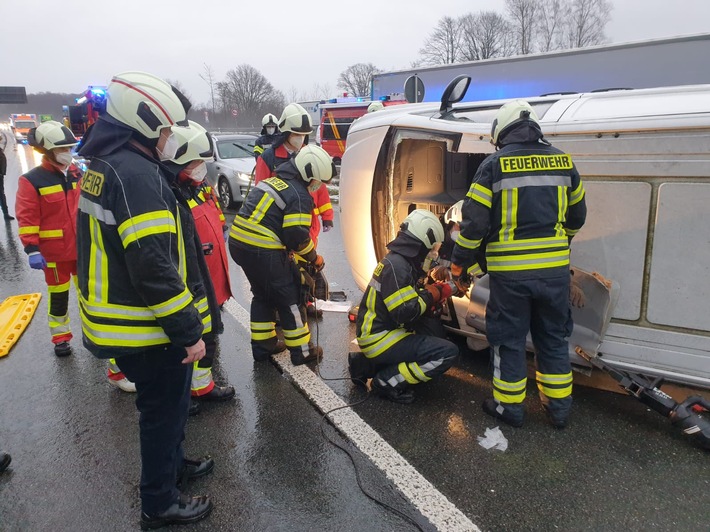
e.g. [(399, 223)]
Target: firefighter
[(195, 147), (274, 221), (269, 133), (46, 205), (527, 202), (3, 200), (133, 277), (394, 329)]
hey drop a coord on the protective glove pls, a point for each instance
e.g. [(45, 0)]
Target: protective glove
[(576, 294), (318, 264), (435, 291), (446, 290), (37, 261), (327, 225), (461, 279), (226, 235)]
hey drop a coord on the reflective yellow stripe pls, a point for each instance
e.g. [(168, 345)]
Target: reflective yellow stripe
[(125, 336), (192, 203), (417, 371), (29, 230), (98, 264), (384, 341), (370, 313), (201, 377), (113, 311), (467, 242), (172, 305), (404, 371), (509, 392), (554, 378), (43, 191), (51, 233), (571, 232), (258, 150), (263, 330), (399, 297), (481, 194), (529, 244), (474, 269), (531, 261), (253, 234), (293, 220), (508, 214), (150, 223), (323, 208), (307, 249), (561, 210), (555, 393), (297, 337), (260, 210), (58, 288), (577, 194), (202, 305)]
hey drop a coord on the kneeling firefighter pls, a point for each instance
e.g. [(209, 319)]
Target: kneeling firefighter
[(273, 222), (394, 331), (194, 148)]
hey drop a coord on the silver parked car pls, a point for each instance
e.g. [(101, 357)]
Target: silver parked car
[(231, 171)]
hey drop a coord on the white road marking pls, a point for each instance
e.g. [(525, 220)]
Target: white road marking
[(432, 504)]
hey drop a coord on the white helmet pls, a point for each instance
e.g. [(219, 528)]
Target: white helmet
[(269, 120), (194, 143), (295, 119), (375, 106), (313, 162), (424, 226), (511, 113), (454, 214), (50, 135), (145, 103)]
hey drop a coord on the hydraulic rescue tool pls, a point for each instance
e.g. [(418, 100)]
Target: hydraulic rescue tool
[(692, 416)]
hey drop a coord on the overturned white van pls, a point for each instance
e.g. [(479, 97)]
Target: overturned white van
[(644, 156)]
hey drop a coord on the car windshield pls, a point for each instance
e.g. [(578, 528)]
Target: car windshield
[(235, 149), (24, 125)]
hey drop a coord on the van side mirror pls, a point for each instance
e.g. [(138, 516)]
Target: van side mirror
[(454, 93)]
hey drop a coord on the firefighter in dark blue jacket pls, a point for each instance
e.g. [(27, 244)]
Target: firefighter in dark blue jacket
[(269, 133), (273, 222), (527, 202)]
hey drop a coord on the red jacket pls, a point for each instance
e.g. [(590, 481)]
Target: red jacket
[(210, 224), (323, 208), (46, 209)]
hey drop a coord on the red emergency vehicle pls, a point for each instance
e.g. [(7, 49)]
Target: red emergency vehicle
[(85, 111)]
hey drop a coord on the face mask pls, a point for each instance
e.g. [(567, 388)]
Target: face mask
[(296, 141), (169, 150), (314, 185), (270, 130), (64, 158), (197, 174), (455, 235)]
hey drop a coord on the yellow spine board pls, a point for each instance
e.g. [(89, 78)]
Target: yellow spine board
[(15, 315)]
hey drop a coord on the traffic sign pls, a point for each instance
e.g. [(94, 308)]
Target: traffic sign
[(235, 112), (414, 89)]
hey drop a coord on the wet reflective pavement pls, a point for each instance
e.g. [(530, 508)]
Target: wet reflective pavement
[(74, 440)]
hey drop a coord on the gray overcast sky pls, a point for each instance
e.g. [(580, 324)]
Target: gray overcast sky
[(66, 45)]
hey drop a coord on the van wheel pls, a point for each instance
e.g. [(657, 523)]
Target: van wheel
[(225, 193)]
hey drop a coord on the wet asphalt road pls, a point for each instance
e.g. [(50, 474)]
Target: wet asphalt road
[(74, 441)]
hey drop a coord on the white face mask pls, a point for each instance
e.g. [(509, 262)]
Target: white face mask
[(63, 158), (314, 185), (296, 141), (198, 173), (270, 130), (169, 150), (455, 235)]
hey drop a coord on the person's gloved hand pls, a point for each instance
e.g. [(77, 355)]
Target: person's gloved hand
[(327, 225), (318, 264), (435, 291), (576, 294), (226, 235), (460, 278), (37, 261), (446, 290)]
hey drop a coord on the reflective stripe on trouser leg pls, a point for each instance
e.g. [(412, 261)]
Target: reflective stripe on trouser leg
[(508, 392), (263, 331), (58, 313), (415, 359), (202, 382), (298, 337), (114, 372)]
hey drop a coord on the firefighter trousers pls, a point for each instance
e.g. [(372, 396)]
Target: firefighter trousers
[(540, 306), (415, 359), (275, 284), (58, 277)]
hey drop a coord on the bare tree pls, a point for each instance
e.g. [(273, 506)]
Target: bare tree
[(484, 35), (551, 18), (247, 90), (586, 22), (356, 78), (320, 91), (522, 15), (294, 95), (208, 77), (443, 46)]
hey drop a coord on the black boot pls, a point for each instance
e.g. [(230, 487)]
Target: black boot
[(185, 510), (194, 408), (556, 421), (315, 354), (62, 349), (401, 394), (361, 368), (493, 408), (218, 393), (5, 460)]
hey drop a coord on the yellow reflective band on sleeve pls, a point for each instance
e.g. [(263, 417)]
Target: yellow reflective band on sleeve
[(481, 194), (467, 242), (577, 194), (172, 305), (43, 191), (323, 208), (571, 232), (51, 233), (51, 265), (202, 305), (308, 247), (58, 288), (260, 210), (535, 163), (422, 306), (528, 244), (400, 297), (258, 150), (294, 220), (150, 223), (555, 386), (509, 392), (531, 261), (474, 269), (404, 371), (29, 230)]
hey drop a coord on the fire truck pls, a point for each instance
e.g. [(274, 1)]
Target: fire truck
[(85, 111), (21, 124)]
